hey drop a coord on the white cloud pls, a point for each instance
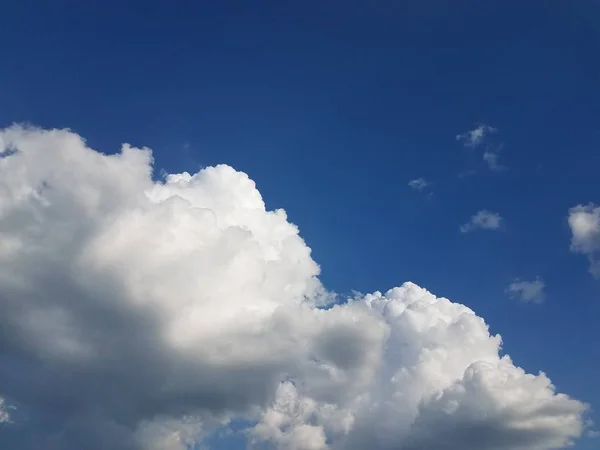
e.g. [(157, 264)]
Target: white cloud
[(4, 412), (146, 314), (419, 184), (584, 221), (441, 384), (528, 291), (484, 220), (475, 137), (491, 159), (593, 434)]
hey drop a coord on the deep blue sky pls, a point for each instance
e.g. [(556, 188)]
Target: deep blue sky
[(332, 109)]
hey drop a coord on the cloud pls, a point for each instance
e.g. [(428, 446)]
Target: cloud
[(528, 291), (584, 221), (484, 220), (141, 315), (593, 434), (4, 412), (445, 388), (419, 184), (491, 158), (475, 137), (466, 173)]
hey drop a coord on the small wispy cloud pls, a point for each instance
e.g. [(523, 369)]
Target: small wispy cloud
[(475, 137), (584, 221), (484, 220), (466, 173), (593, 434), (491, 158), (4, 411), (419, 184), (528, 291), (480, 137)]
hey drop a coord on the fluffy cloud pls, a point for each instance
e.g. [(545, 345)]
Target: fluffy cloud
[(475, 137), (441, 385), (419, 184), (584, 221), (142, 314), (528, 291), (483, 220), (4, 412)]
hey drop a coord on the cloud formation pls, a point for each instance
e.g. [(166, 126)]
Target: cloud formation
[(491, 158), (475, 137), (141, 315), (4, 412), (483, 220), (479, 137), (419, 184), (528, 291), (584, 221)]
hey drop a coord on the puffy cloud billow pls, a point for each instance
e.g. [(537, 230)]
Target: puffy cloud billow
[(140, 314)]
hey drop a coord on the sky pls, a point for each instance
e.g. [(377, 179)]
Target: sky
[(453, 146)]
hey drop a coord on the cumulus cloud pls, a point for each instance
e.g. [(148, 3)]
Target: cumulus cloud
[(584, 221), (419, 184), (528, 291), (475, 137), (139, 314), (483, 220)]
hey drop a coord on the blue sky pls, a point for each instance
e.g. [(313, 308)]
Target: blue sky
[(332, 109)]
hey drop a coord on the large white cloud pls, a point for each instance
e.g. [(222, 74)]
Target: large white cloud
[(141, 314), (441, 385)]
